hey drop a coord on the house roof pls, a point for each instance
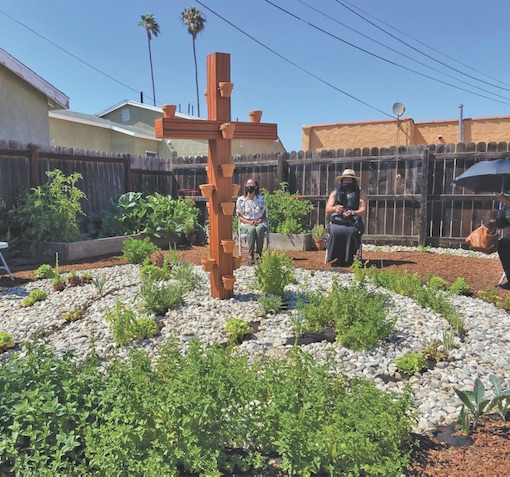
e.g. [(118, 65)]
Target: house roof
[(92, 120), (33, 79), (136, 104)]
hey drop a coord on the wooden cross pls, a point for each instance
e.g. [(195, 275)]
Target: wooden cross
[(219, 154)]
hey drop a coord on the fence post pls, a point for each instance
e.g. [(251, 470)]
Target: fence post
[(34, 166), (127, 172), (424, 200), (281, 168)]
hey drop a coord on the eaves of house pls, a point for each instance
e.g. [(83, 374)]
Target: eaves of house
[(56, 98)]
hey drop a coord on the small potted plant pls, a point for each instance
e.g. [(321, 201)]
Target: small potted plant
[(319, 236)]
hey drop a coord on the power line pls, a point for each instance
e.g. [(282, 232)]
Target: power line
[(71, 54), (424, 44), (380, 57), (292, 63), (399, 52)]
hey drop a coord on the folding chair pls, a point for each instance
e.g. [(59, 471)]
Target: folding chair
[(5, 267), (241, 235)]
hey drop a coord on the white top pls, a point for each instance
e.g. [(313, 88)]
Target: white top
[(252, 209)]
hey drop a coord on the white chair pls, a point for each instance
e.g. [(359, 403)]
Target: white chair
[(5, 267), (241, 235)]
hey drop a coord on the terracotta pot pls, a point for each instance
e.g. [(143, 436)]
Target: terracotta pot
[(236, 262), (228, 245), (255, 116), (169, 110), (192, 239), (228, 208), (320, 244), (227, 169), (235, 189), (225, 89), (208, 264), (207, 189), (227, 130), (228, 281)]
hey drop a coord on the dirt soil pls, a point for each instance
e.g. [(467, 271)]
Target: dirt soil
[(489, 452)]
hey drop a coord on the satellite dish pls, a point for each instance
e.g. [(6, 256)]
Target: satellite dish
[(398, 109)]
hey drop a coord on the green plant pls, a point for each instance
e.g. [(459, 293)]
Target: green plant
[(270, 304), (44, 271), (318, 232), (423, 248), (460, 287), (236, 329), (360, 317), (35, 295), (184, 273), (100, 282), (136, 251), (283, 205), (146, 328), (6, 341), (448, 340), (437, 283), (411, 363), (501, 398), (72, 315), (436, 351), (274, 272), (154, 271), (50, 212), (123, 324), (86, 277), (73, 279), (474, 406), (158, 297)]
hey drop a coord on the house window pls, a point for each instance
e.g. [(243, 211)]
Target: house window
[(125, 115), (151, 153)]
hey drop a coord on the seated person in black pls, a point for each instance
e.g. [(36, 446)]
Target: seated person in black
[(346, 205), (502, 221)]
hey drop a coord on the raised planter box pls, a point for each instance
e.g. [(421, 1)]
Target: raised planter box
[(291, 242), (71, 251)]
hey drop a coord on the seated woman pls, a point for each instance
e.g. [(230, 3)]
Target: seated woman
[(501, 222), (346, 205), (252, 215)]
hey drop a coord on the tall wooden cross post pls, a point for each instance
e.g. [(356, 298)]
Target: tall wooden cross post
[(219, 165)]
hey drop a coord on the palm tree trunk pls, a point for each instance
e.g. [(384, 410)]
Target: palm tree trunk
[(196, 76), (152, 73)]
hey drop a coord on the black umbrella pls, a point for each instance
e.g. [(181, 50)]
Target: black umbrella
[(486, 176)]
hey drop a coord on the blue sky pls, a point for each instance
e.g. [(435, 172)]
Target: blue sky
[(105, 34)]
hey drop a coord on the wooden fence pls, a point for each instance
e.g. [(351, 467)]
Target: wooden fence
[(411, 199)]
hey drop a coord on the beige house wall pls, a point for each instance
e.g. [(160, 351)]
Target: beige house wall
[(404, 133), (81, 136), (23, 110)]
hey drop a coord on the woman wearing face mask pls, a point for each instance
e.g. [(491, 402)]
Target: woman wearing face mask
[(346, 205), (252, 214)]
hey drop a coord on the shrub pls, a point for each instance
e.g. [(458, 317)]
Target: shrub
[(44, 271), (411, 363), (6, 341), (436, 351), (122, 320), (460, 287), (158, 297), (35, 295), (270, 303), (283, 205), (437, 283), (236, 329), (154, 271), (136, 251), (50, 212), (146, 328), (274, 272), (185, 274), (360, 317)]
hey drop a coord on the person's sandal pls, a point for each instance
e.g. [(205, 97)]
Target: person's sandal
[(251, 261)]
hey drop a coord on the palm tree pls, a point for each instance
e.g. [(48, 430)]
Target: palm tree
[(195, 21), (152, 28)]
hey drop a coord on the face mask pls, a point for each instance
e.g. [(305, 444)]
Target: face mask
[(250, 189), (348, 186)]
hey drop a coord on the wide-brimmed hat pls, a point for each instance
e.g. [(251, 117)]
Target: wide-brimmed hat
[(348, 173)]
